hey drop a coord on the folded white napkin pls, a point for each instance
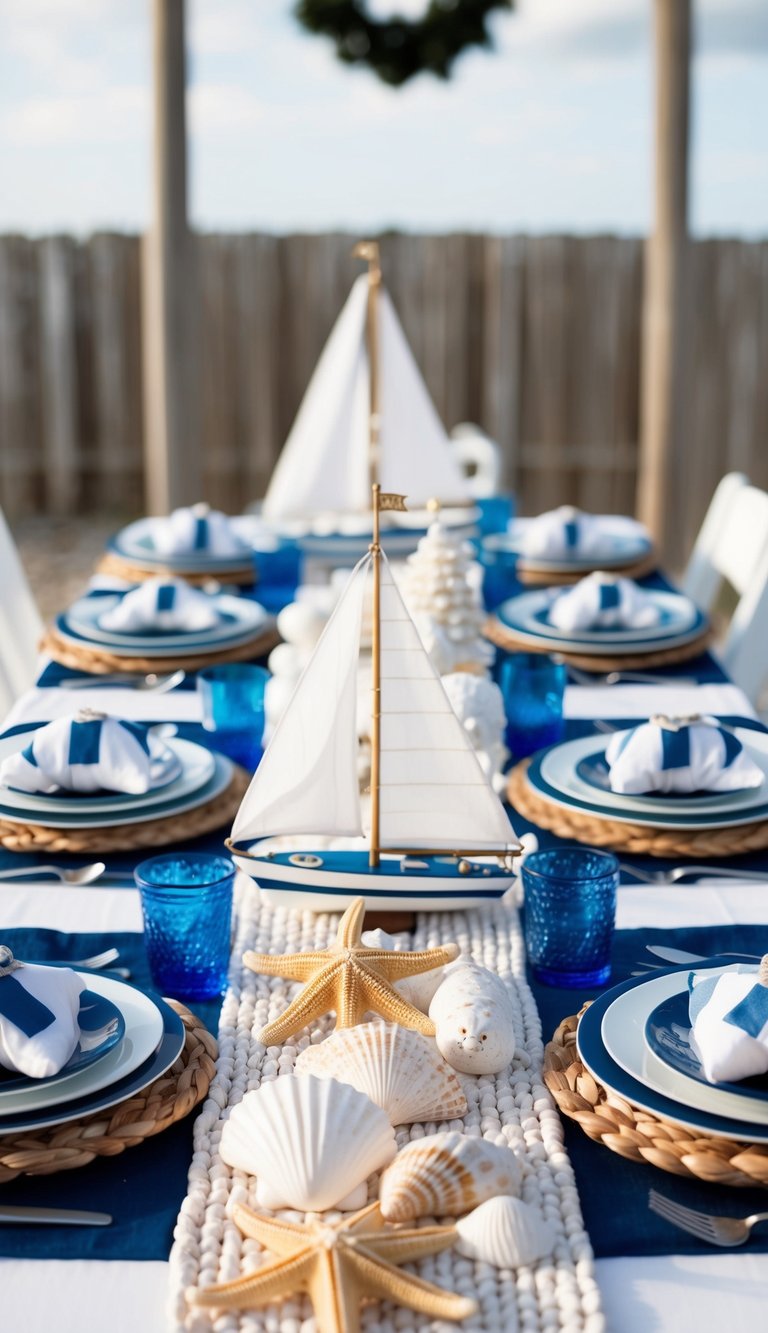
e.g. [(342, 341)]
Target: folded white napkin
[(162, 604), (39, 1027), (566, 532), (729, 1022), (88, 752), (197, 531), (604, 601), (679, 754)]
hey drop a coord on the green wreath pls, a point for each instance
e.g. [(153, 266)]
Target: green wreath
[(397, 49)]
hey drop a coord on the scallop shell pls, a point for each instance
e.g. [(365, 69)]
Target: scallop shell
[(309, 1141), (445, 1175), (505, 1232), (398, 1069), (417, 990), (474, 1019)]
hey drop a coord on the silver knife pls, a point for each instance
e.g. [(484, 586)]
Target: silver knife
[(73, 1217), (680, 955)]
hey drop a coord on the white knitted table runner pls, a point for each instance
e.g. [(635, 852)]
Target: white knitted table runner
[(512, 1107)]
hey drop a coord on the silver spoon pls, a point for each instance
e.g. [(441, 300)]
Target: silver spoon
[(83, 875), (151, 683)]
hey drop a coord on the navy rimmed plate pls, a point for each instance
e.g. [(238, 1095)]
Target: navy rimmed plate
[(668, 1035), (102, 1026), (594, 771), (595, 1057)]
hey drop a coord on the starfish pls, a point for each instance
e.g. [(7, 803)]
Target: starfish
[(349, 978), (338, 1264)]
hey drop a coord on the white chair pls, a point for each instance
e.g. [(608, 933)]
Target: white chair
[(732, 546), (479, 458), (21, 627)]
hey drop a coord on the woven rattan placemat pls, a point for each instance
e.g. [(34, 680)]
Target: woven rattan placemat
[(119, 567), (639, 1135), (503, 637), (100, 662), (215, 814), (639, 839), (107, 1133)]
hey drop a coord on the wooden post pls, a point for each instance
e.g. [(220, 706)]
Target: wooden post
[(661, 391), (170, 310)]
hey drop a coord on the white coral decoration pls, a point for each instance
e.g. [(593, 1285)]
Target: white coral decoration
[(479, 704), (441, 588)]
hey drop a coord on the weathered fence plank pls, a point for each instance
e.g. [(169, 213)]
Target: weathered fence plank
[(537, 339)]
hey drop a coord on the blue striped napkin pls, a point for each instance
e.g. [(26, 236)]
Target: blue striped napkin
[(729, 1021), (89, 752), (604, 601), (198, 530), (679, 755), (164, 604), (39, 1009)]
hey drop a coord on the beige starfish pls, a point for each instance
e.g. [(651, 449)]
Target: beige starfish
[(338, 1265), (349, 978)]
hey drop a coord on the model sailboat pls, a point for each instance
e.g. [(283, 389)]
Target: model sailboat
[(321, 485), (437, 836)]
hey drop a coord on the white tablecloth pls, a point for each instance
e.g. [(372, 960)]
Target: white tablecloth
[(704, 1294)]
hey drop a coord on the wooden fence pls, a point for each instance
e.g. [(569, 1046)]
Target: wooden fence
[(536, 339)]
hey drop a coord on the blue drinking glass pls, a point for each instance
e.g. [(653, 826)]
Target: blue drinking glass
[(233, 710), (278, 567), (495, 513), (570, 909), (186, 902), (533, 686), (499, 563)]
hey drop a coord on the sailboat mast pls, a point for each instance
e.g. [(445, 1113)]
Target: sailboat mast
[(375, 549), (369, 250)]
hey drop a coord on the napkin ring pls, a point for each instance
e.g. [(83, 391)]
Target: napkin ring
[(675, 723), (8, 963)]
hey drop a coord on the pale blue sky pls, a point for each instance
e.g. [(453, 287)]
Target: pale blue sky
[(552, 132)]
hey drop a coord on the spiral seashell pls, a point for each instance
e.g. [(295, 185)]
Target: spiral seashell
[(446, 1175), (311, 1143), (398, 1069), (505, 1232)]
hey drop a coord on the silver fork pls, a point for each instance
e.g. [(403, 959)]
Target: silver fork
[(84, 875), (633, 677), (99, 962), (151, 682), (682, 872), (716, 1230)]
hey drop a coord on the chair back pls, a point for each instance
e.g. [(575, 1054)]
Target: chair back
[(21, 627), (732, 546)]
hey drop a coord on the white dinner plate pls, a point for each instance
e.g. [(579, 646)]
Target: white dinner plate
[(527, 614), (196, 768), (222, 775), (241, 617), (623, 1030), (143, 1030)]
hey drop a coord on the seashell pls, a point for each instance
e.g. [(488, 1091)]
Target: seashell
[(398, 1069), (505, 1232), (311, 1143), (445, 1175), (474, 1019), (301, 624), (417, 990)]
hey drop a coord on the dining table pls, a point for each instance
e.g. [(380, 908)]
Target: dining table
[(651, 1277)]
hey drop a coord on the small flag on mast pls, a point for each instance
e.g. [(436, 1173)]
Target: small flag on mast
[(389, 500)]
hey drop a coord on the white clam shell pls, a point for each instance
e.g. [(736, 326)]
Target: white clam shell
[(310, 1142), (505, 1232), (474, 1019), (398, 1069), (445, 1175), (417, 990)]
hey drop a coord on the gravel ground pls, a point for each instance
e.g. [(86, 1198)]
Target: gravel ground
[(59, 555)]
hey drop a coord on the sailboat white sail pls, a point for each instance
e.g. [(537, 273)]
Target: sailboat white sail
[(307, 781), (432, 789), (324, 465)]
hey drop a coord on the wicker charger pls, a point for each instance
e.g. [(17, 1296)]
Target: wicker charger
[(215, 814), (640, 839), (107, 1133), (505, 638), (99, 661), (120, 567), (538, 578), (639, 1135)]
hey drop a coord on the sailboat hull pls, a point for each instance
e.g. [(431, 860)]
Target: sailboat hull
[(434, 884)]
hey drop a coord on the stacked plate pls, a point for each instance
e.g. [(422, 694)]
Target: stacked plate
[(575, 775), (625, 543), (128, 1038), (527, 617), (136, 543), (636, 1041), (240, 620), (194, 778)]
